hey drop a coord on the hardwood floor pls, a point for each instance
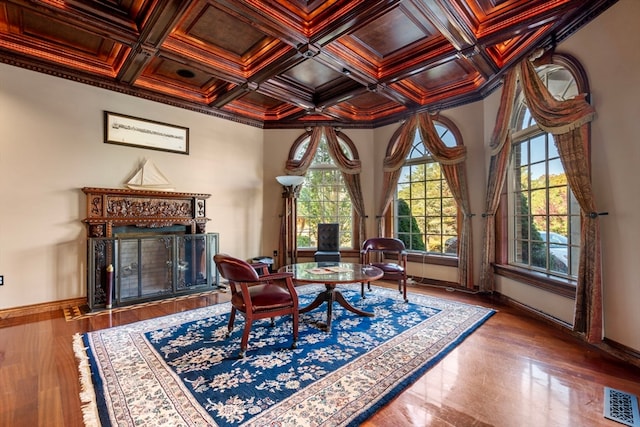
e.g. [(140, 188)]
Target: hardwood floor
[(512, 371)]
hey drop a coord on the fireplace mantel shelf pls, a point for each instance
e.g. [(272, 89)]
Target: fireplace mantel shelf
[(109, 207)]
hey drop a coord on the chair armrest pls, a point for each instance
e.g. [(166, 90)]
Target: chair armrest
[(274, 276), (260, 267)]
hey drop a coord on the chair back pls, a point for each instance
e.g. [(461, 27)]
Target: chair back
[(234, 269), (376, 247), (383, 244), (329, 237)]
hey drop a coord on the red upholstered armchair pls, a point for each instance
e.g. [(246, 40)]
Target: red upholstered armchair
[(375, 250), (257, 297)]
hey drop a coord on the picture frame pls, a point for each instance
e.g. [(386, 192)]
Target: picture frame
[(131, 131)]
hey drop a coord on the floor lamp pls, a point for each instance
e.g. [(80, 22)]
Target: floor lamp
[(288, 233)]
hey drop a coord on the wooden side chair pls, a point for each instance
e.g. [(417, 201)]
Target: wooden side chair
[(257, 296), (377, 250)]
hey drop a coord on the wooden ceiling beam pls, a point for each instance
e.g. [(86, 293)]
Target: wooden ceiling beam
[(158, 25)]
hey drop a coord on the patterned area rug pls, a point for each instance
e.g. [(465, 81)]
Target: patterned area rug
[(179, 370)]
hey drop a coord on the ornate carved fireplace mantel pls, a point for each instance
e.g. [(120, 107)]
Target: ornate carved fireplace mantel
[(109, 208), (145, 245)]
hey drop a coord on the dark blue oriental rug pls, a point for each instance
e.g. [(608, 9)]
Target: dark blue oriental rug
[(179, 370)]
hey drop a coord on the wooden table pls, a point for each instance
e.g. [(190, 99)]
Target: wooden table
[(332, 274)]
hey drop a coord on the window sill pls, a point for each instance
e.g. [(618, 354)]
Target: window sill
[(565, 288), (426, 258)]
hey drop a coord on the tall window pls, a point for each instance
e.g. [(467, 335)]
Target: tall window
[(544, 216), (426, 214), (324, 197)]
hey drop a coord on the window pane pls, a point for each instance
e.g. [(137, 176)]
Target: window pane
[(574, 227), (574, 262), (418, 189), (561, 83), (446, 191), (522, 178), (418, 207), (558, 201), (538, 227), (521, 154), (553, 150), (538, 201), (449, 225), (449, 207), (538, 149), (418, 150), (405, 174), (445, 135), (522, 252), (433, 208), (521, 227), (432, 171), (538, 175), (528, 119), (434, 226), (419, 224)]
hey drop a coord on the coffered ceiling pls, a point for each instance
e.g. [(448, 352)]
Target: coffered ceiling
[(289, 63)]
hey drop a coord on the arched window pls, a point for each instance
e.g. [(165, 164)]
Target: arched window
[(324, 197), (426, 214), (543, 214)]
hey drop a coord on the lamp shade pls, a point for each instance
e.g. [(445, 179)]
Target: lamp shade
[(290, 180)]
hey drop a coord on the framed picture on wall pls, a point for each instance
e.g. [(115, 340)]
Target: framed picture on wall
[(142, 133)]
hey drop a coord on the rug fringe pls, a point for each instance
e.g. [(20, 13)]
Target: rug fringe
[(87, 394)]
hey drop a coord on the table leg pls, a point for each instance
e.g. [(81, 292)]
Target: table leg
[(329, 296), (343, 302), (322, 297)]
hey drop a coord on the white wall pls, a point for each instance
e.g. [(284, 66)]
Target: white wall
[(51, 145)]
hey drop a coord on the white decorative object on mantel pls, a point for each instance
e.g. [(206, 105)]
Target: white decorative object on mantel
[(149, 177)]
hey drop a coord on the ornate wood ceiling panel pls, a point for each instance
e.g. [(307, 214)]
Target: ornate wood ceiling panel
[(289, 63)]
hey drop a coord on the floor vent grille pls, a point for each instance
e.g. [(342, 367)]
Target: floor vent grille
[(621, 407)]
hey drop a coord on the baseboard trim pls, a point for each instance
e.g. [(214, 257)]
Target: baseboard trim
[(29, 310), (610, 347), (424, 281), (621, 351)]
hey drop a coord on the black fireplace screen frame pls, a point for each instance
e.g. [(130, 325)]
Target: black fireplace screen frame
[(125, 270)]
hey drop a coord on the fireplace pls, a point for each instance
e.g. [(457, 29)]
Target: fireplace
[(147, 245)]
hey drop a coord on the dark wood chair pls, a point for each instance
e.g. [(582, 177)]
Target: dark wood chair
[(257, 296), (328, 243), (378, 251)]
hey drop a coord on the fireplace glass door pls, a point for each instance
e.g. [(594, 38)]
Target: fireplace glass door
[(150, 266)]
